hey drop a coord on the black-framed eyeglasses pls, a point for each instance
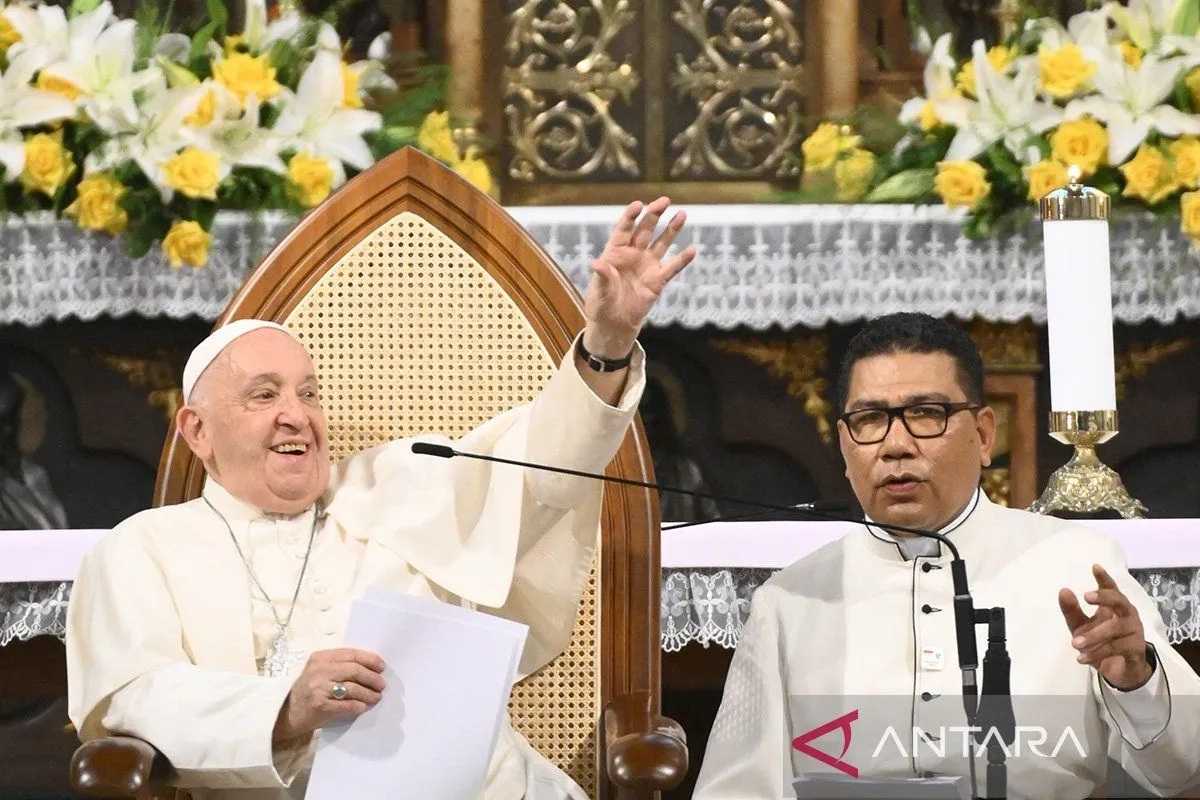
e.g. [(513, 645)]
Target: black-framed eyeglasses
[(922, 420)]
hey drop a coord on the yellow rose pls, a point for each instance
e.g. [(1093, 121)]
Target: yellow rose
[(47, 163), (999, 57), (8, 35), (51, 83), (852, 174), (475, 170), (1131, 53), (246, 75), (350, 96), (825, 144), (1148, 175), (1082, 143), (961, 183), (1189, 215), (1192, 81), (205, 110), (1185, 154), (98, 206), (194, 173), (1044, 177), (186, 243), (312, 178), (1064, 70), (436, 138)]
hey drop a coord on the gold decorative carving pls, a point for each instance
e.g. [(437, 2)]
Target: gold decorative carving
[(1134, 363), (1006, 347), (1085, 485), (747, 86), (801, 362), (561, 81), (997, 485), (157, 372)]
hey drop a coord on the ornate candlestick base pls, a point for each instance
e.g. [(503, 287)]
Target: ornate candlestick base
[(1085, 485)]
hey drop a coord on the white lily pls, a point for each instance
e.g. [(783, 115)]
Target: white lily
[(48, 37), (23, 106), (939, 85), (102, 69), (158, 134), (259, 35), (1087, 29), (1145, 22), (1007, 109), (314, 119), (1129, 101), (236, 135)]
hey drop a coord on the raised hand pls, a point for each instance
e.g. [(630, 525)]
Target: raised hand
[(312, 703), (629, 276), (1112, 640)]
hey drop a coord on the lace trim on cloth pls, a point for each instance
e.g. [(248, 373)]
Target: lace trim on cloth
[(706, 606), (33, 609), (51, 270), (710, 606), (758, 266)]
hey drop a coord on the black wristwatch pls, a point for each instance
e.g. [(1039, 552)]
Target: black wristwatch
[(602, 364)]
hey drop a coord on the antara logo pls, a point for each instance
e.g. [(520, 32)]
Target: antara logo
[(842, 723)]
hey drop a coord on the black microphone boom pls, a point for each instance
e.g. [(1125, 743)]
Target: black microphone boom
[(822, 507)]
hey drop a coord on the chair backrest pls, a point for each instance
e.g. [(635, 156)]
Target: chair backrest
[(427, 308)]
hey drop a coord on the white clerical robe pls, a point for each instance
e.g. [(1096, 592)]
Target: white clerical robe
[(166, 632), (859, 636)]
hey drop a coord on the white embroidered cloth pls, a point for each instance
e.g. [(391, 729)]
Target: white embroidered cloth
[(759, 266)]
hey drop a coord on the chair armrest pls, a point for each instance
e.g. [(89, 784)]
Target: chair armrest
[(644, 751), (119, 767)]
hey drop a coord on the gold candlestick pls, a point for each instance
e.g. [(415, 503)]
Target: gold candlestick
[(1085, 484), (1079, 315)]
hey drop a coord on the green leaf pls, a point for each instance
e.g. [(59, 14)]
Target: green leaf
[(200, 43), (1185, 20), (82, 7), (903, 187), (218, 14)]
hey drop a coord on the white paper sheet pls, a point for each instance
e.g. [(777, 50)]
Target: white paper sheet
[(449, 673)]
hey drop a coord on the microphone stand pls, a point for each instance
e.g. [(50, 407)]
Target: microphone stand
[(966, 617)]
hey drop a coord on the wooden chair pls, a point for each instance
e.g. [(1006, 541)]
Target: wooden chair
[(427, 308)]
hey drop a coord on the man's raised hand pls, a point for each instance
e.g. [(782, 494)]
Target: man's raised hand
[(628, 277), (1112, 640)]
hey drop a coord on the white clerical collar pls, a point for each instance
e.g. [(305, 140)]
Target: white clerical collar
[(233, 508), (911, 547)]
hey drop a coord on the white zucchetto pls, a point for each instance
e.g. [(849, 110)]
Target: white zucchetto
[(207, 351)]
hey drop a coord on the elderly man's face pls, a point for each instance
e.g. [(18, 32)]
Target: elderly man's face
[(257, 424), (904, 480)]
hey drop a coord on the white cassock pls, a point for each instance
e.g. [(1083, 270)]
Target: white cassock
[(166, 634), (858, 627)]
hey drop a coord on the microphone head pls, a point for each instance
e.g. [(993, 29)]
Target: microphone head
[(431, 449)]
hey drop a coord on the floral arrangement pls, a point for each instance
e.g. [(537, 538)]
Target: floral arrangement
[(1115, 93), (134, 130)]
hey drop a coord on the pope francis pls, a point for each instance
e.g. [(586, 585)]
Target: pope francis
[(212, 628), (848, 664)]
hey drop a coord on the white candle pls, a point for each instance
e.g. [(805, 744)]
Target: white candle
[(1079, 315)]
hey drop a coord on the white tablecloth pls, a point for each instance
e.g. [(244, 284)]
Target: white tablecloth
[(759, 266)]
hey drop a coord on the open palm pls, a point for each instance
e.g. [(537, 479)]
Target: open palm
[(630, 274)]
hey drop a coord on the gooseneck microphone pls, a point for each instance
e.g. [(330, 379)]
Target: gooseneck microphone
[(818, 506), (965, 615)]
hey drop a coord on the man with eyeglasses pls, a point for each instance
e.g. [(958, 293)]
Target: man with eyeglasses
[(858, 638)]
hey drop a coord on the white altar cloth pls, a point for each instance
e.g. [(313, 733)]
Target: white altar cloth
[(1148, 543)]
